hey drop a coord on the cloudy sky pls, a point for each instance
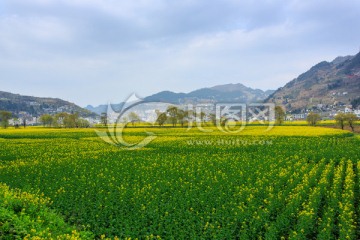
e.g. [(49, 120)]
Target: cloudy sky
[(99, 51)]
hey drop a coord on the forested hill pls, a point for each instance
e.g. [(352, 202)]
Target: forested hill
[(36, 106)]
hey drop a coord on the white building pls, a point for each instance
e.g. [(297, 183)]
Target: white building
[(348, 110), (357, 113)]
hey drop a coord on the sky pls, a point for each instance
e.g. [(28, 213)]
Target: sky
[(101, 51)]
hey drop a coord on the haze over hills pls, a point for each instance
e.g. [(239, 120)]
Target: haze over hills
[(220, 93), (36, 106), (325, 86)]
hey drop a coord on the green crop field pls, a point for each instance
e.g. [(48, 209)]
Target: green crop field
[(292, 182)]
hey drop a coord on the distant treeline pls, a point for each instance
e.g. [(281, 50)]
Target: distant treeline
[(63, 119)]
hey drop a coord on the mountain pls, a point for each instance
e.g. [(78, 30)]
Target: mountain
[(103, 108), (326, 85), (98, 109), (36, 106), (221, 93)]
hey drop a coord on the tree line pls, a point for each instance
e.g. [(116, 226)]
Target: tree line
[(341, 119), (5, 116), (172, 115), (177, 116), (63, 119)]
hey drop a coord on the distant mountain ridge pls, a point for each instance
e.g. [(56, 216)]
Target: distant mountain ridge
[(220, 93), (36, 106), (325, 86)]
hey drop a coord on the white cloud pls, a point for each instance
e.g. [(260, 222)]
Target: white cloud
[(117, 47), (28, 34)]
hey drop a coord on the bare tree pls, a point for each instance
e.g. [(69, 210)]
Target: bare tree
[(24, 122)]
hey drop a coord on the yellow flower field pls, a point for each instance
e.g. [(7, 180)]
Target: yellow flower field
[(291, 182)]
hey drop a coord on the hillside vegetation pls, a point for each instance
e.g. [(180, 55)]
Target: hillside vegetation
[(330, 84)]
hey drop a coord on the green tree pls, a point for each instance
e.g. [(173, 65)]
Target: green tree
[(161, 119), (4, 118), (279, 115), (133, 118), (46, 120), (64, 120), (83, 123), (103, 119), (340, 119), (172, 111), (181, 117), (71, 120), (313, 118), (60, 119), (351, 118)]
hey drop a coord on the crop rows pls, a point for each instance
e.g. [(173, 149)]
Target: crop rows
[(289, 187)]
